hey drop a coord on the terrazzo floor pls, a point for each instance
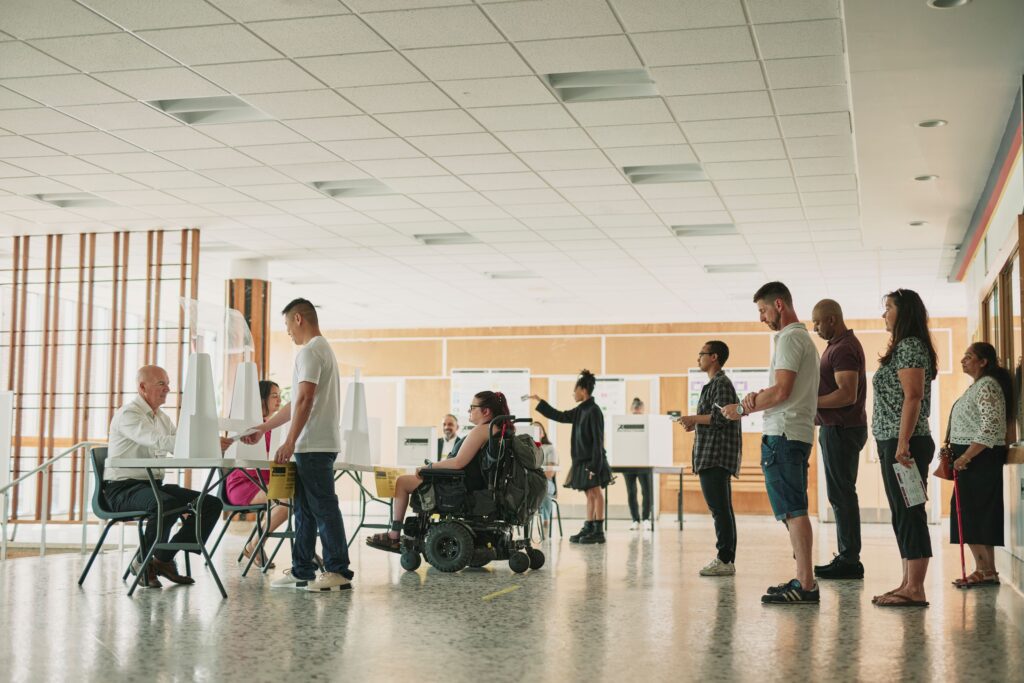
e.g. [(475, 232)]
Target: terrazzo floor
[(631, 610)]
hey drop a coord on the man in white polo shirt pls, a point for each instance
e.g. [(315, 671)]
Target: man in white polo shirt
[(789, 404), (314, 440)]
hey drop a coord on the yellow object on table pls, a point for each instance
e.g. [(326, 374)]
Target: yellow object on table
[(282, 481), (385, 478)]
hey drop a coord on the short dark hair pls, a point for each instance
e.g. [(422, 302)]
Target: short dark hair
[(586, 381), (720, 349), (771, 291), (303, 307)]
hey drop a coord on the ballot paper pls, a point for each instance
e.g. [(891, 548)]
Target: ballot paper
[(911, 484)]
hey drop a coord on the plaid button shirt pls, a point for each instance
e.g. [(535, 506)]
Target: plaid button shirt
[(719, 444)]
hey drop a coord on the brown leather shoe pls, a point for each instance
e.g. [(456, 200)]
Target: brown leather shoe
[(149, 579), (169, 571)]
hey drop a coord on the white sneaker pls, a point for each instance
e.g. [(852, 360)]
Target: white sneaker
[(329, 581), (648, 525), (634, 526), (718, 568), (286, 580)]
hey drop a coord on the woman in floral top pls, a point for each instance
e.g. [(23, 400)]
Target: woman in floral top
[(902, 387), (977, 436)]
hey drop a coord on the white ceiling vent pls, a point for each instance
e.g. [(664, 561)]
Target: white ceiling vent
[(513, 275), (447, 238), (366, 187), (719, 268), (586, 86), (708, 230), (223, 109), (73, 200), (664, 173)]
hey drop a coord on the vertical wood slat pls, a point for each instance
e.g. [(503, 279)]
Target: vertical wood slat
[(158, 285), (15, 281), (123, 322), (19, 366), (112, 378), (194, 293), (182, 341), (76, 401), (87, 373), (149, 297), (44, 360), (58, 253)]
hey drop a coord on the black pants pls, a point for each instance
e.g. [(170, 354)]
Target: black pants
[(716, 485), (840, 450), (134, 494), (646, 480), (910, 524)]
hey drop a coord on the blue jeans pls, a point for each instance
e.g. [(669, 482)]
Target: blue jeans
[(316, 509), (784, 464)]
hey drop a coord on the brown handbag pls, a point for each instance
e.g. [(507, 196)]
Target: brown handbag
[(944, 470)]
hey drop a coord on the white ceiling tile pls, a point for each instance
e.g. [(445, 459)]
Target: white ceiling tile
[(686, 204), (498, 92), (246, 10), (20, 59), (12, 100), (401, 168), (470, 61), (383, 148), (465, 143), (65, 89), (767, 11), (377, 99), (731, 130), (787, 214), (737, 105), (651, 155), (209, 195), (668, 15), (209, 44), (578, 178), (302, 105), (107, 52), (441, 200), (35, 185), (121, 116), (696, 217), (260, 77), (256, 175), (40, 120), (403, 216), (513, 197), (467, 213), (14, 146), (737, 170), (315, 36), (503, 181), (755, 186), (702, 79), (827, 183), (614, 193), (340, 128), (294, 153), (383, 203), (160, 84), (430, 123), (697, 46), (27, 19), (561, 223), (371, 68), (811, 100), (130, 163), (824, 166), (800, 39), (528, 117), (830, 198), (199, 159), (482, 163), (825, 146), (565, 159), (242, 208), (167, 180), (751, 150), (623, 112), (428, 184), (264, 132), (435, 27), (99, 182), (668, 190), (547, 140), (55, 165), (162, 139), (836, 123), (554, 19), (838, 211), (805, 72), (763, 201), (580, 54), (638, 135), (146, 15)]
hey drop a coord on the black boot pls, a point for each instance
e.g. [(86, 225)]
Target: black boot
[(585, 531), (596, 534)]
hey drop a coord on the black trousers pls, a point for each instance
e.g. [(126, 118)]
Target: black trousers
[(716, 485), (646, 480), (910, 524), (840, 450), (134, 494)]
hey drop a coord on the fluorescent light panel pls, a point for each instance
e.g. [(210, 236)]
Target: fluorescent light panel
[(447, 238), (222, 109), (588, 86), (367, 187), (664, 173), (73, 200), (513, 275), (732, 268), (707, 230)]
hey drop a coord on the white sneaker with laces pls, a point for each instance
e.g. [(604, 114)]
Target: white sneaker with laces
[(718, 568), (287, 580), (648, 525), (329, 581), (634, 526)]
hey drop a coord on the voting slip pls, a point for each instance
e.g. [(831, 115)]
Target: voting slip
[(911, 484)]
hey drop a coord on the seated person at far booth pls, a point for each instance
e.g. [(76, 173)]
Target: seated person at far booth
[(241, 487), (485, 406)]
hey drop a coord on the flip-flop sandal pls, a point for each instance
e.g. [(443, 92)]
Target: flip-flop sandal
[(902, 601), (385, 543), (874, 600), (972, 579)]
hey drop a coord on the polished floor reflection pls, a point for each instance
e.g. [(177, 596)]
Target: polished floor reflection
[(633, 609)]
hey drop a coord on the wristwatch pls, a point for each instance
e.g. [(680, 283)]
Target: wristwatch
[(739, 409)]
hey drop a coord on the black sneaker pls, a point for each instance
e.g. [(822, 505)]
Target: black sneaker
[(791, 593), (840, 568)]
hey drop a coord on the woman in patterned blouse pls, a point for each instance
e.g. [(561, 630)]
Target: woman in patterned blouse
[(902, 403), (978, 437)]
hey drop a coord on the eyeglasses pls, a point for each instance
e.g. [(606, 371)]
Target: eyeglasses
[(703, 353), (474, 405)]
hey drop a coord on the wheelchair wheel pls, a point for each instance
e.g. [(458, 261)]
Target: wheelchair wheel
[(448, 546), (519, 562), (410, 560), (536, 558)]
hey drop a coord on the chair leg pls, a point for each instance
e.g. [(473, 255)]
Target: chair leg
[(95, 551), (139, 554), (558, 514), (188, 565), (223, 530), (255, 529)]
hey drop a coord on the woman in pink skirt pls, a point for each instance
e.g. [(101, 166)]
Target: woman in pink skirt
[(241, 489)]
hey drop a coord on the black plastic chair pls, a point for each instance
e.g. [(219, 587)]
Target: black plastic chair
[(98, 458), (235, 510)]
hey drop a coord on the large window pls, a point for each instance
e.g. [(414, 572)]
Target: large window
[(1001, 327)]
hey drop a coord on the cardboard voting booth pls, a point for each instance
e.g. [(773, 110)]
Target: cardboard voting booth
[(198, 433), (641, 441), (416, 444)]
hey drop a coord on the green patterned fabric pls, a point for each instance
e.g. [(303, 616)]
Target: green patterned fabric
[(888, 405)]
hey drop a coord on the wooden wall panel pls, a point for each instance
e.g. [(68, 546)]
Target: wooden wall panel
[(676, 354), (426, 402), (543, 356), (389, 358)]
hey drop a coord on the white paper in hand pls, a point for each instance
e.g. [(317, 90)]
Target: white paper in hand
[(911, 484)]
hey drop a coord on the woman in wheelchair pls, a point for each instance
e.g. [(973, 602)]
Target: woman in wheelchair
[(485, 406)]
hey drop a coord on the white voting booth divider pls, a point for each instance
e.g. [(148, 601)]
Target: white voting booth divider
[(246, 411), (198, 433), (359, 444), (641, 441), (416, 444)]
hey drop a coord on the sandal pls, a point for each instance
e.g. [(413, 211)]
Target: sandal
[(978, 578), (899, 600), (874, 600), (385, 543), (260, 559)]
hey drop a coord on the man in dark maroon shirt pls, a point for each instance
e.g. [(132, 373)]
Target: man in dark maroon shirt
[(842, 434)]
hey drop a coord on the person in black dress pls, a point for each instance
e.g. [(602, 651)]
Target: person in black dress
[(590, 471)]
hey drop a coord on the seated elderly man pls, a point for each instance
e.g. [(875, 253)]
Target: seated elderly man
[(140, 429)]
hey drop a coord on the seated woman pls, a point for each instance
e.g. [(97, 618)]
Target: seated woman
[(486, 406), (241, 487)]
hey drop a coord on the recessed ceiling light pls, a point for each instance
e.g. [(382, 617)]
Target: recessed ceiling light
[(709, 230), (664, 173), (221, 109), (446, 238), (73, 200), (513, 275), (924, 178), (918, 224), (363, 187), (931, 123), (587, 86), (732, 268), (947, 4)]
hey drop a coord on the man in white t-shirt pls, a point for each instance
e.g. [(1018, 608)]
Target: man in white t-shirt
[(314, 440), (789, 403)]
